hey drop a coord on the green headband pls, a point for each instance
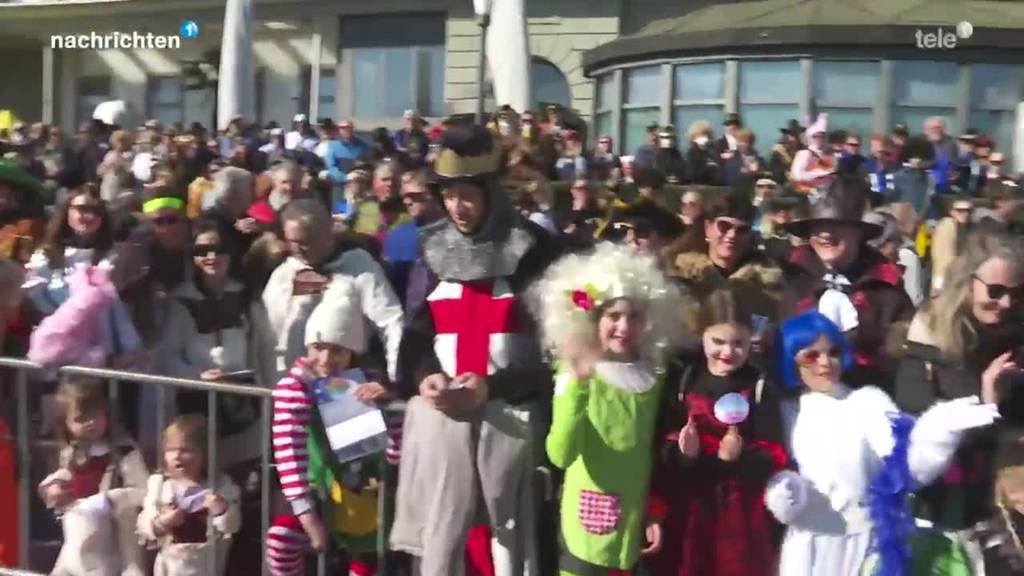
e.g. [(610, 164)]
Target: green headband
[(155, 204)]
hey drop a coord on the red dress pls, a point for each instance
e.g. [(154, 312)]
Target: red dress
[(717, 523)]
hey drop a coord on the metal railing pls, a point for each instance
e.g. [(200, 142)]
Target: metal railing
[(115, 377), (22, 368)]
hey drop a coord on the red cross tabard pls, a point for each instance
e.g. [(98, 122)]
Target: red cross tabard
[(473, 318)]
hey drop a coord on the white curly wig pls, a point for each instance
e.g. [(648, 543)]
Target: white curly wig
[(573, 292)]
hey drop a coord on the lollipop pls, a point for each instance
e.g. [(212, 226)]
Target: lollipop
[(732, 409)]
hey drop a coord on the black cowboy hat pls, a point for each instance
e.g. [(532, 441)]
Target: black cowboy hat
[(844, 202), (793, 128), (649, 215)]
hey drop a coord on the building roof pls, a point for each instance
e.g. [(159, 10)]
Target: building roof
[(996, 23)]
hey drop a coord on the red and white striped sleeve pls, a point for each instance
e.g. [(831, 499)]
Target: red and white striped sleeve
[(293, 402)]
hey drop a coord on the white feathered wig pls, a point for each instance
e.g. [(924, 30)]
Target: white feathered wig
[(575, 290)]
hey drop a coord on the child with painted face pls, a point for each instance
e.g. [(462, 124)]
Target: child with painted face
[(179, 501), (609, 317), (721, 441), (858, 459)]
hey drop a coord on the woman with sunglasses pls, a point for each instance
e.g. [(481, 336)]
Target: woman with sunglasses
[(79, 233), (207, 327), (967, 342), (722, 254), (857, 459)]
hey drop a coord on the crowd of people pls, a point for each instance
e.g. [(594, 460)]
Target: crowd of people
[(681, 361)]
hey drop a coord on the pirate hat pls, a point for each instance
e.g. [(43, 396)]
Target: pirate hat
[(843, 202)]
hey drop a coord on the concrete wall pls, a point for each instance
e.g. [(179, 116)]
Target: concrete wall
[(558, 32)]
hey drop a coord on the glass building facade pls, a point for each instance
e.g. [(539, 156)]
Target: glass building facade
[(861, 95)]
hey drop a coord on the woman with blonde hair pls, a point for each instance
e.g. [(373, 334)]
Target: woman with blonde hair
[(965, 342), (701, 156)]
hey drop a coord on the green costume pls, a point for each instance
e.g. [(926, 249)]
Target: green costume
[(350, 507), (601, 433)]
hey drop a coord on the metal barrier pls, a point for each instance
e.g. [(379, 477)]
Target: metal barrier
[(23, 367), (115, 377)]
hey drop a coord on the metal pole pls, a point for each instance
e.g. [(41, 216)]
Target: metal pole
[(265, 420), (48, 77), (211, 476), (314, 71), (24, 468), (484, 21)]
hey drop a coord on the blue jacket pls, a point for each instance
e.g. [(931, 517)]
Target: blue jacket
[(342, 157)]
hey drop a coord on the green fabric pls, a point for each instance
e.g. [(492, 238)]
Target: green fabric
[(324, 470), (936, 554), (368, 218), (602, 437), (12, 173)]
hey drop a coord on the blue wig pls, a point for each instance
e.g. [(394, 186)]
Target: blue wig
[(801, 331)]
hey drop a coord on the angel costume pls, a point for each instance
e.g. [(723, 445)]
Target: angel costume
[(845, 508)]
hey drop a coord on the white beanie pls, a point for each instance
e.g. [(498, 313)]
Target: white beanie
[(337, 319)]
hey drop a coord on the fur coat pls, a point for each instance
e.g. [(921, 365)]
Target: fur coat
[(758, 283)]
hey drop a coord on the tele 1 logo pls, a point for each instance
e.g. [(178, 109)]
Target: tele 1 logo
[(942, 38)]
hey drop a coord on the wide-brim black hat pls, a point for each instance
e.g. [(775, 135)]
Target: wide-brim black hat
[(792, 128), (651, 214), (844, 202)]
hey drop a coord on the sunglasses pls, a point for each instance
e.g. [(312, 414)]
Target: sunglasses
[(997, 291), (87, 209), (725, 226), (166, 220), (414, 198), (207, 249), (809, 356), (640, 231)]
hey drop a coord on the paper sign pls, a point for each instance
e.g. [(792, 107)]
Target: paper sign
[(354, 428)]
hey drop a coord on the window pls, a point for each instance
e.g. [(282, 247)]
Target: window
[(643, 96), (165, 100), (995, 92), (769, 97), (922, 89), (92, 91), (549, 85), (847, 92), (604, 101), (397, 64), (698, 93), (328, 87)]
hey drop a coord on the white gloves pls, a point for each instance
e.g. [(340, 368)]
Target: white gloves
[(936, 434), (786, 495)]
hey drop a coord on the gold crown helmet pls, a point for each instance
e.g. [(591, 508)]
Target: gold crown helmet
[(450, 165)]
